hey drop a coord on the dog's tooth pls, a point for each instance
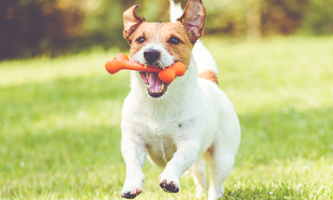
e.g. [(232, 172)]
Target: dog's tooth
[(147, 75), (162, 87)]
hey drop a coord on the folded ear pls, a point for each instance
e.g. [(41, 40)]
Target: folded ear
[(193, 19), (131, 21)]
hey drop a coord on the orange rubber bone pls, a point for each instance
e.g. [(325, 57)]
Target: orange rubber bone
[(167, 75)]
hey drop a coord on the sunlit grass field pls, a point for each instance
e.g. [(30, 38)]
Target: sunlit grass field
[(60, 133)]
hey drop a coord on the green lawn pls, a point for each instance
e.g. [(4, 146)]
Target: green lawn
[(60, 134)]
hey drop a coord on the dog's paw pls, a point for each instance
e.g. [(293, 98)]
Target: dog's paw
[(169, 184), (130, 193), (133, 186)]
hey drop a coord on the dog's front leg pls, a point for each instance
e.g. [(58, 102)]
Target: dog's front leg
[(185, 156), (134, 154)]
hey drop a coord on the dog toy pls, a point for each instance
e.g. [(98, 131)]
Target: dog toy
[(121, 61)]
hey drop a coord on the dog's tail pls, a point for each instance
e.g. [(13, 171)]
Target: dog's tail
[(175, 11), (206, 64)]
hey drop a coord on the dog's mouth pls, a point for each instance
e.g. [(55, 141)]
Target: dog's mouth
[(156, 87)]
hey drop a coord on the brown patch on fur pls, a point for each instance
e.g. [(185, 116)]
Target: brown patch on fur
[(209, 75), (161, 33)]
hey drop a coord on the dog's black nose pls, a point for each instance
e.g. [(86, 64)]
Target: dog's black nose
[(151, 55)]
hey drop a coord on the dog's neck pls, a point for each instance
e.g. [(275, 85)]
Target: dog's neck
[(177, 94)]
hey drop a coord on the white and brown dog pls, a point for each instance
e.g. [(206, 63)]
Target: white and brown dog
[(181, 124)]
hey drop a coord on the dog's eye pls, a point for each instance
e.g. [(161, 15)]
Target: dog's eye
[(140, 40), (174, 40)]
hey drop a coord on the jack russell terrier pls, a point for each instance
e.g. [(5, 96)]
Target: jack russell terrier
[(182, 124)]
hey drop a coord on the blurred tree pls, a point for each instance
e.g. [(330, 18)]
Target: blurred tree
[(30, 27), (282, 16), (253, 19), (56, 27), (318, 18)]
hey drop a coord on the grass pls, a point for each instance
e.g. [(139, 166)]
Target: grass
[(60, 134)]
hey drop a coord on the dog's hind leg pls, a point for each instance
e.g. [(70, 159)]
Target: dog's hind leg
[(199, 177), (221, 162)]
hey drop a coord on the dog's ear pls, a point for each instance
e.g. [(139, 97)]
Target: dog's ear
[(194, 18), (131, 21)]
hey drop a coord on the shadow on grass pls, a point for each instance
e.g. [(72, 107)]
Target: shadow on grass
[(286, 134)]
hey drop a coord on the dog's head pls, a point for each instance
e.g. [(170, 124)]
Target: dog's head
[(162, 44)]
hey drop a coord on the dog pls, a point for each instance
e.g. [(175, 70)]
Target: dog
[(183, 124)]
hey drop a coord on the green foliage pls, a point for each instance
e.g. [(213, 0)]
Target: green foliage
[(30, 27), (58, 27), (60, 133), (288, 17)]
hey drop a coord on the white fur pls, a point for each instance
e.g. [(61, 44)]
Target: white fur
[(203, 58), (193, 121)]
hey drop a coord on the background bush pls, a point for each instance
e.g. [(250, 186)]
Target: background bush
[(55, 27)]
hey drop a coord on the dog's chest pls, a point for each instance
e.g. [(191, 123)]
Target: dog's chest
[(161, 140), (161, 149), (160, 128)]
